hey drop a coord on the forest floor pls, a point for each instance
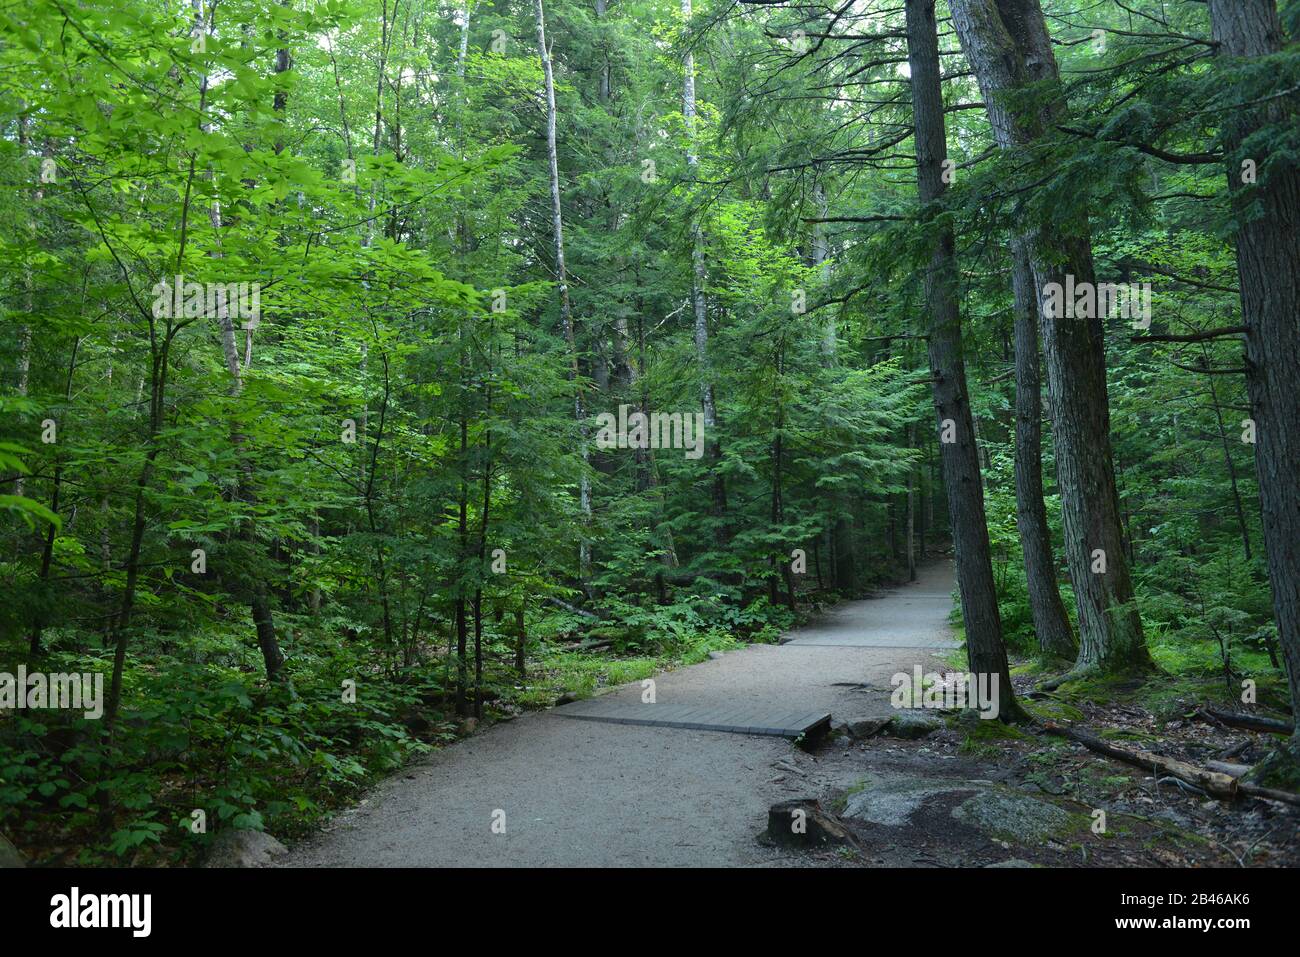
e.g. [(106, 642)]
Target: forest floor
[(544, 790)]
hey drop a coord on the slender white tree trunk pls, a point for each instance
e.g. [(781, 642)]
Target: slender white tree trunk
[(820, 254), (697, 237), (562, 278)]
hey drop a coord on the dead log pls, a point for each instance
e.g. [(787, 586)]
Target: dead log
[(1211, 782), (1215, 783), (1253, 722)]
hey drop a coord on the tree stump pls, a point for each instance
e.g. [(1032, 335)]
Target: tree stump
[(804, 823)]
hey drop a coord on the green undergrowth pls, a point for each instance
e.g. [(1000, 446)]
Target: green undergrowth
[(206, 733), (982, 737), (1170, 695), (580, 674)]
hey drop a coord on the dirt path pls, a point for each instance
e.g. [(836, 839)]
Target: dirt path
[(582, 793)]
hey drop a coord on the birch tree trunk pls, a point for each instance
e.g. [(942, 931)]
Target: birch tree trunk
[(562, 279), (463, 54), (959, 459)]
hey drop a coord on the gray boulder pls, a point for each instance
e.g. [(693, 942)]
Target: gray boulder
[(1014, 817), (866, 727)]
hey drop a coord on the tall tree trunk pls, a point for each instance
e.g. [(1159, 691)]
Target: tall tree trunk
[(485, 507), (29, 286), (463, 53), (911, 508), (699, 307), (601, 8), (462, 538), (1007, 44), (1268, 260), (960, 462), (521, 641), (1051, 623), (781, 558), (562, 279), (820, 252)]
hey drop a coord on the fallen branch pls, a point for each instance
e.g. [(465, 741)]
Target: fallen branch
[(1234, 750), (1206, 370), (1214, 783), (571, 608), (1254, 722), (1211, 782), (1220, 333), (1268, 794)]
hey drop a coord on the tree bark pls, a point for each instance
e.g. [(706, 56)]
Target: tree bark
[(1051, 623), (698, 305), (911, 508), (1268, 260), (1007, 44), (985, 651)]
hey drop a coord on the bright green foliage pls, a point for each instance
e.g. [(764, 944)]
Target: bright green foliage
[(397, 464)]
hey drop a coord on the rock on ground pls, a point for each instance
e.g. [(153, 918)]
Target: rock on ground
[(1016, 817), (891, 799), (239, 847), (912, 724)]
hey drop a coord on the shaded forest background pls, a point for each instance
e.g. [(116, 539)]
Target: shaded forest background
[(304, 544)]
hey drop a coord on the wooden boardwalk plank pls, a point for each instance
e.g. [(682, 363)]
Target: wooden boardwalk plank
[(773, 721)]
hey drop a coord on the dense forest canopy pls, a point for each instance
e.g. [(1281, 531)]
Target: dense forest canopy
[(362, 356)]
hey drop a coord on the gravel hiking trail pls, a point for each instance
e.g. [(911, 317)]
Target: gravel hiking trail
[(589, 794)]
